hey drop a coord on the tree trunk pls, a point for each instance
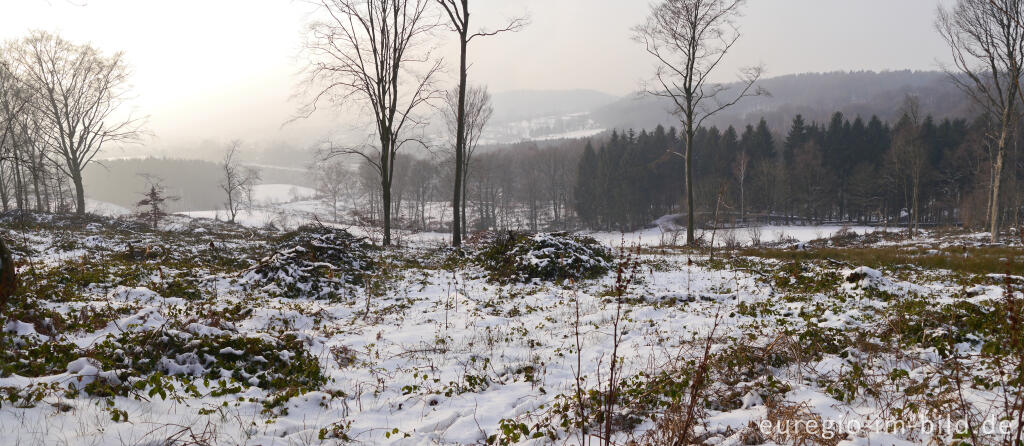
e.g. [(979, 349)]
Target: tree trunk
[(19, 186), (996, 183), (231, 201), (76, 177), (743, 209), (690, 239), (385, 194), (3, 188), (386, 207), (465, 181), (35, 186), (997, 165), (916, 209), (460, 135), (8, 276)]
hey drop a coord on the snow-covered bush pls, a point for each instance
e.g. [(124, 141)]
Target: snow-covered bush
[(314, 262), (556, 257)]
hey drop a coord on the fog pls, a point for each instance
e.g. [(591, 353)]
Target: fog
[(208, 72)]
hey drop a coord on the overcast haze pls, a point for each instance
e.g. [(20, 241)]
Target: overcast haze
[(218, 70)]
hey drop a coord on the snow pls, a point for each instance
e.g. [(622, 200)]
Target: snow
[(576, 134), (751, 399), (283, 205), (87, 370), (255, 218), (281, 193), (105, 209)]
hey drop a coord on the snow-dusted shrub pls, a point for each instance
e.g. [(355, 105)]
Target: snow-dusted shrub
[(32, 356), (264, 362), (556, 257), (314, 262), (864, 277)]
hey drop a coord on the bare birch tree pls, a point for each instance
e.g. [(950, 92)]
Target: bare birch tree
[(459, 21), (739, 169), (79, 93), (372, 53), (689, 39), (986, 40)]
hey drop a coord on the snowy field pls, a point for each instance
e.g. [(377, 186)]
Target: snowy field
[(105, 209), (281, 193), (173, 337)]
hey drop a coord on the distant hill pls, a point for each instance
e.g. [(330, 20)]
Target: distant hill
[(814, 95), (528, 104), (544, 114)]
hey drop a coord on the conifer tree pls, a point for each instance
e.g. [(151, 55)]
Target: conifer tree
[(154, 199)]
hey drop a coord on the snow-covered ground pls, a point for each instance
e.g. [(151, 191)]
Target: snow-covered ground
[(444, 356), (283, 205)]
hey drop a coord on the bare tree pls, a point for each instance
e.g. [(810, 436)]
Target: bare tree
[(237, 183), (690, 38), (332, 182), (15, 102), (477, 112), (367, 52), (740, 170), (78, 93), (458, 16), (986, 40)]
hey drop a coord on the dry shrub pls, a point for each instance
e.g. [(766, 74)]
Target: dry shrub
[(672, 427), (797, 425), (754, 232), (730, 241)]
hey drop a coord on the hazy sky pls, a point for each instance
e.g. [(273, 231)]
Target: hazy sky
[(225, 69)]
